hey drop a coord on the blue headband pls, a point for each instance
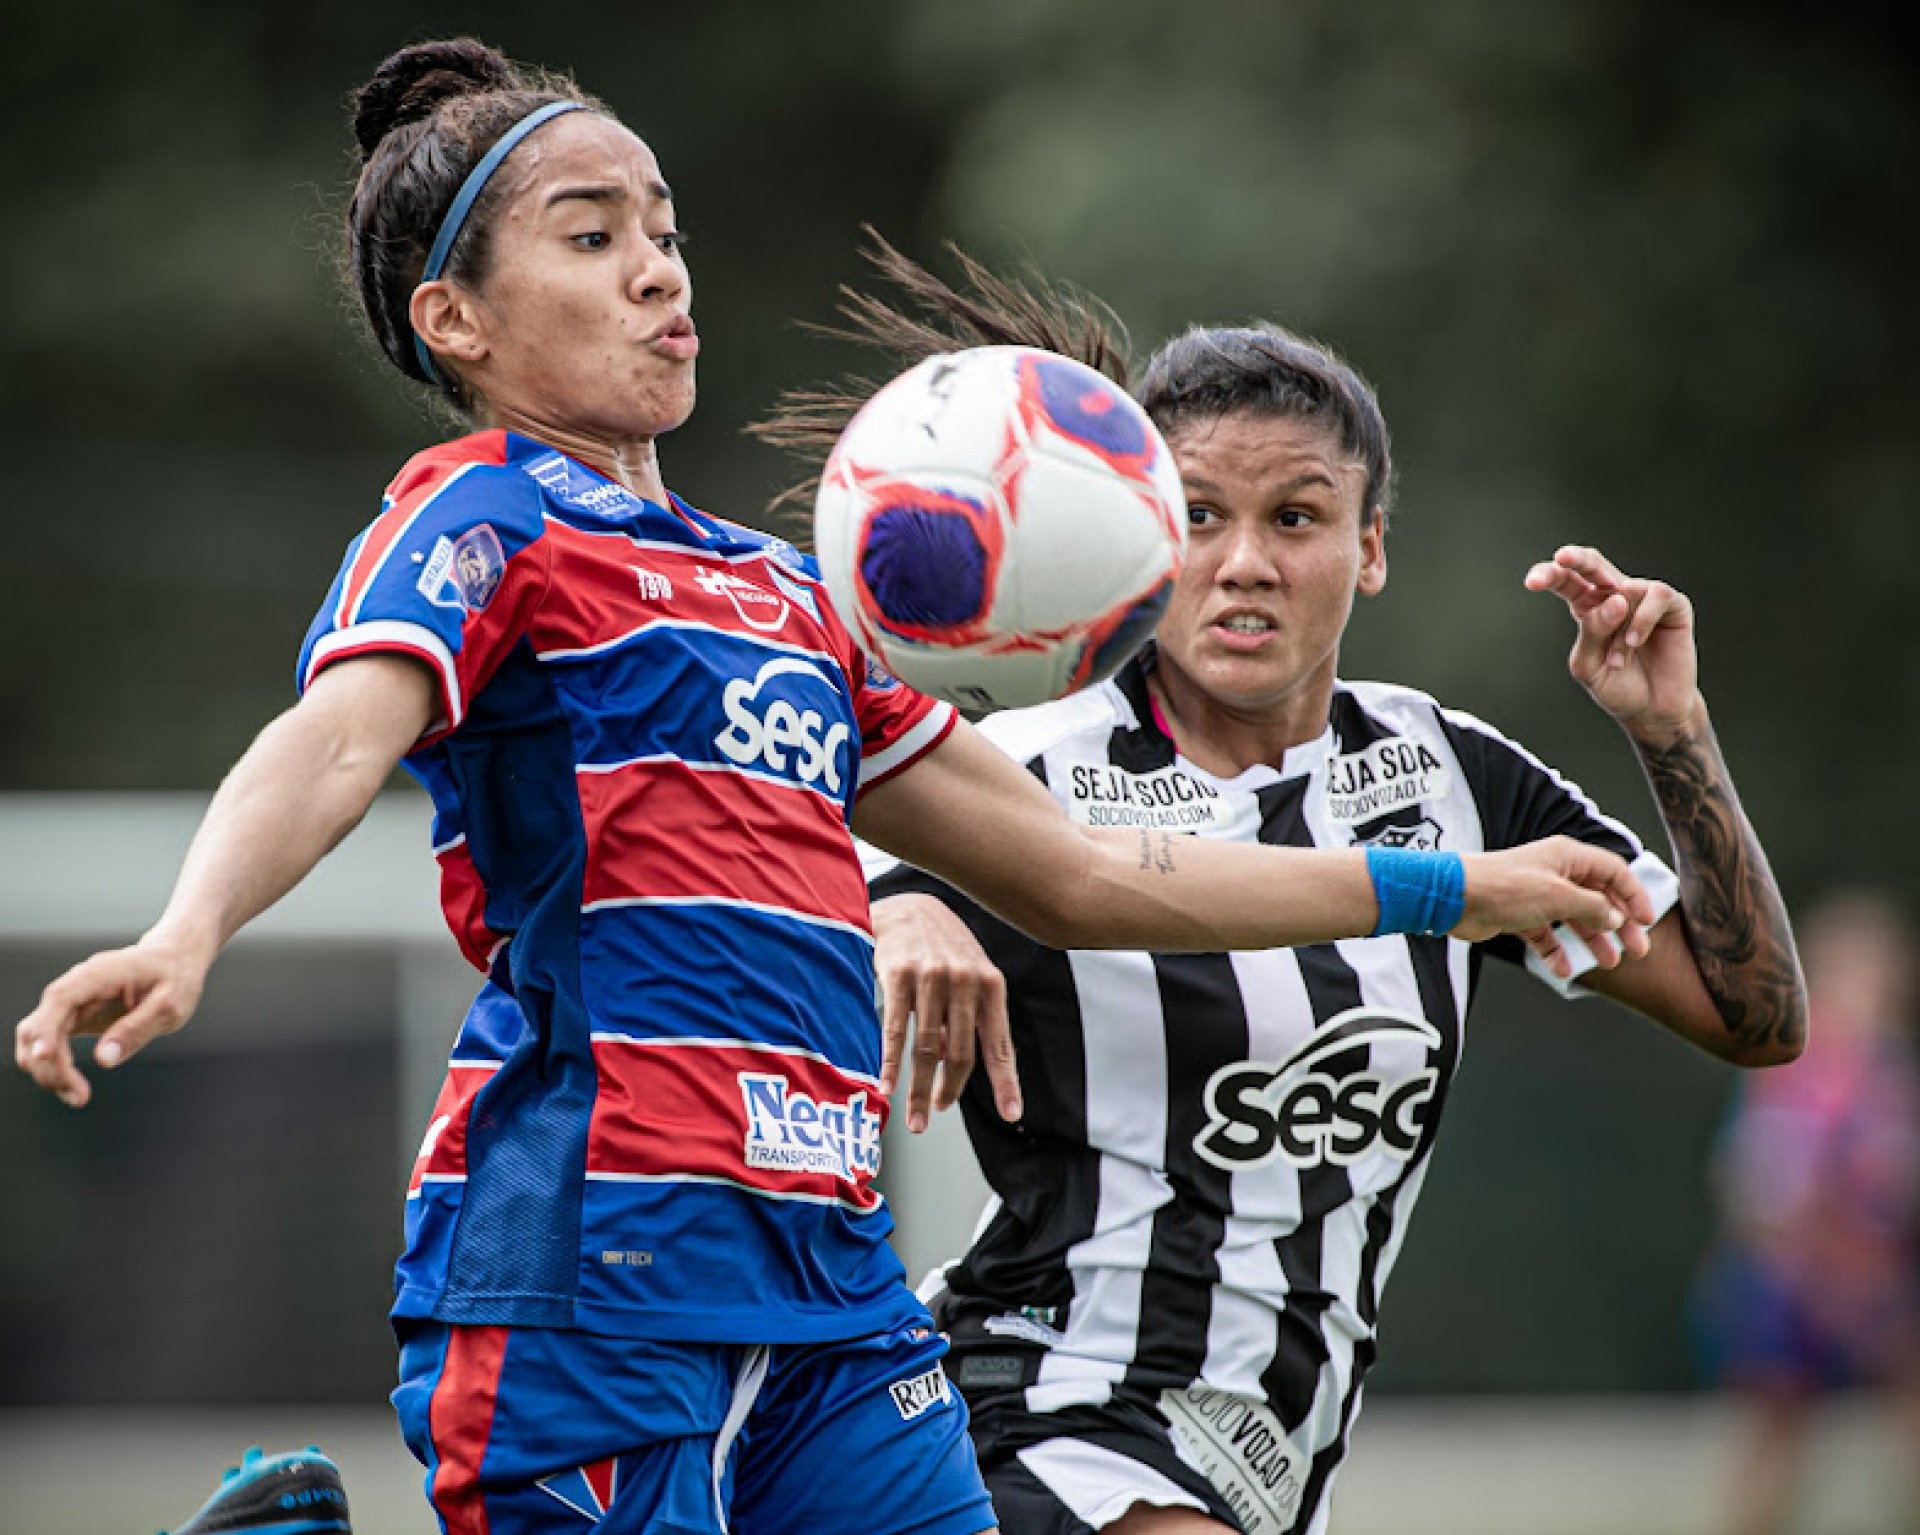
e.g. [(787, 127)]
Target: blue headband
[(468, 195)]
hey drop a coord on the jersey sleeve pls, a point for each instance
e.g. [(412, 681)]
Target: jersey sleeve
[(450, 573), (897, 725), (1521, 800)]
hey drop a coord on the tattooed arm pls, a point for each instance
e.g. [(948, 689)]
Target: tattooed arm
[(1721, 970)]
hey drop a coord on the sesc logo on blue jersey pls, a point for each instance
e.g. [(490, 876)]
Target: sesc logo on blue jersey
[(790, 720)]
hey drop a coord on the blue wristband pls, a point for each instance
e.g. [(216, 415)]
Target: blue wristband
[(1418, 892)]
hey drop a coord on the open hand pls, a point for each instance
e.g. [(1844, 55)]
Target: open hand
[(1557, 881), (127, 996), (933, 970), (1634, 650)]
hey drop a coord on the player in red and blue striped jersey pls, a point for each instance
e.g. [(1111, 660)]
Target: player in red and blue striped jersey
[(648, 729), (647, 1281)]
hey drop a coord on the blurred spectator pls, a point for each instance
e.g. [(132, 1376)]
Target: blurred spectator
[(1813, 1285)]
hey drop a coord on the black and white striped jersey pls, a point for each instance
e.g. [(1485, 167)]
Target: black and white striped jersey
[(1220, 1152)]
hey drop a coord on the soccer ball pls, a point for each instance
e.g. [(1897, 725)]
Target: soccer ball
[(1000, 526)]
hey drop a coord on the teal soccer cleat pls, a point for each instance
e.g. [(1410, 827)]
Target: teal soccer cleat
[(297, 1493)]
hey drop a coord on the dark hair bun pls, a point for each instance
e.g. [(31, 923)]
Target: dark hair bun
[(411, 83)]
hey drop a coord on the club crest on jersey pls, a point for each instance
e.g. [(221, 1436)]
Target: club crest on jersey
[(464, 573), (791, 1131), (1168, 798), (1388, 775), (1260, 1111), (1423, 836), (753, 604), (772, 723)]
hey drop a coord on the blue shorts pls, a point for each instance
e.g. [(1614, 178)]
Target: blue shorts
[(537, 1431)]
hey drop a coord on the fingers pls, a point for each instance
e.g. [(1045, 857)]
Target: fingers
[(1659, 605), (1545, 942), (930, 1030), (940, 987), (1617, 930), (161, 1011), (1582, 564), (43, 1049), (1585, 892), (895, 1008), (87, 999), (1561, 955), (1622, 886), (956, 1022), (996, 1050), (957, 1049), (1617, 613)]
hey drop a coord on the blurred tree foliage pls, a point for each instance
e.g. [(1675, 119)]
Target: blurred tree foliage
[(1626, 273)]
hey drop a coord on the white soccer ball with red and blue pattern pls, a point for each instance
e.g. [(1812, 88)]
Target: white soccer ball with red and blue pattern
[(1000, 526)]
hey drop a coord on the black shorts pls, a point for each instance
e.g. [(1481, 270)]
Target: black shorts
[(1072, 1471)]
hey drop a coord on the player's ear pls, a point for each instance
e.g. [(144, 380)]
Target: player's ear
[(446, 318), (1373, 554)]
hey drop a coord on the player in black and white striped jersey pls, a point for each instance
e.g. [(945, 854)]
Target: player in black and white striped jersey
[(1205, 1164)]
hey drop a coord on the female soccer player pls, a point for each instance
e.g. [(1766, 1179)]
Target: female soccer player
[(1204, 1169), (646, 1277)]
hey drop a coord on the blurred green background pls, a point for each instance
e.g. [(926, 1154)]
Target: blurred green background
[(1625, 272)]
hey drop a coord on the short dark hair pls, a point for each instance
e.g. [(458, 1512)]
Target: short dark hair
[(1264, 369), (424, 120)]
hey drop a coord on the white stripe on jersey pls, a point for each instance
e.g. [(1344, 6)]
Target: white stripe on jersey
[(387, 634), (1127, 1063), (1126, 1116), (933, 725), (615, 902), (702, 1042), (759, 641), (773, 781)]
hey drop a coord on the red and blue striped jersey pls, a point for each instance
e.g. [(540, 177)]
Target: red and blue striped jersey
[(662, 1115)]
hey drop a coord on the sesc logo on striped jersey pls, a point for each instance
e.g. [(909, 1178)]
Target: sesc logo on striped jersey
[(1259, 1111), (772, 722)]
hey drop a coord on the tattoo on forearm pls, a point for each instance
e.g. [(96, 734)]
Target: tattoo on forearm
[(1735, 916), (1160, 857)]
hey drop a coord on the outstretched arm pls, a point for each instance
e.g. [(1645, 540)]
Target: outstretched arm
[(301, 786), (1721, 971), (969, 815)]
